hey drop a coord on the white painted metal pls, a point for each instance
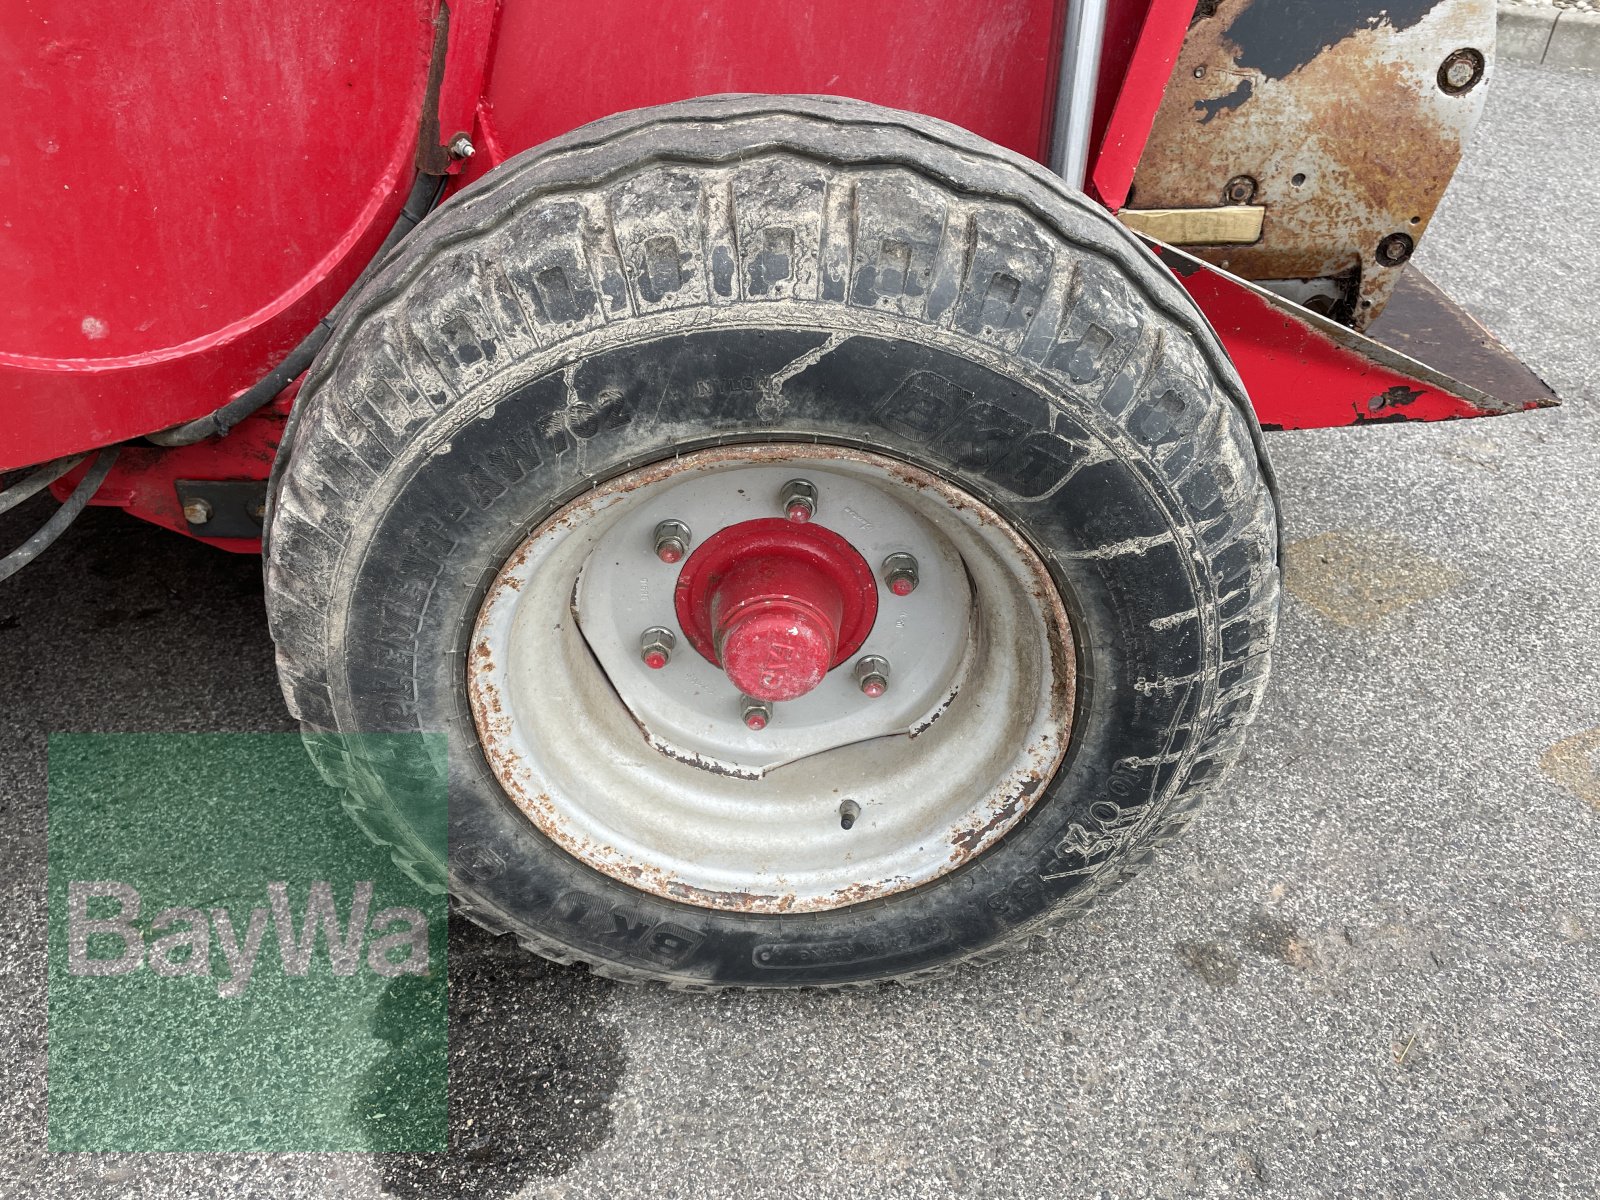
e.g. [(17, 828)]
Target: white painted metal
[(573, 757), (689, 708)]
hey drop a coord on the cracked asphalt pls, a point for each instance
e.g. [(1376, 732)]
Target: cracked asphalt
[(1369, 970)]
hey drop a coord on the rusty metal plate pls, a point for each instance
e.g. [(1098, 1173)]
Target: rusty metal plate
[(1347, 116)]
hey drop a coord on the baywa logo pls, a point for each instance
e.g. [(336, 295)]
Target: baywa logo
[(390, 941)]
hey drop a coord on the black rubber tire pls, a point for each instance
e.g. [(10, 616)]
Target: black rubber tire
[(634, 289)]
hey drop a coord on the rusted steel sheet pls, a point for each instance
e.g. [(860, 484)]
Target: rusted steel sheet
[(1304, 371), (1348, 116), (1424, 323)]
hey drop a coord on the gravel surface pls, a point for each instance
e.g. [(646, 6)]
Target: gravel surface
[(1371, 969), (1590, 6)]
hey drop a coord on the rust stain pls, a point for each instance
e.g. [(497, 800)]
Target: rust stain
[(1349, 143), (1396, 397), (1356, 577), (969, 840), (714, 765), (1574, 764)]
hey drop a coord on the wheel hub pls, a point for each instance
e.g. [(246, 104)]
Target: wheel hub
[(773, 599), (776, 603)]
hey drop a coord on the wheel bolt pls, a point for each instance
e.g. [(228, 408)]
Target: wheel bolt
[(872, 673), (655, 647), (672, 541), (757, 713), (900, 574), (799, 500)]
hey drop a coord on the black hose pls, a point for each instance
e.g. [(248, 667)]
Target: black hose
[(424, 194), (62, 517), (38, 480)]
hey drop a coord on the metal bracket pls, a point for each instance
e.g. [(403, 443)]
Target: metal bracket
[(231, 508), (1231, 225)]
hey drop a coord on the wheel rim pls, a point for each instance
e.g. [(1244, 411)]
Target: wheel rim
[(604, 713)]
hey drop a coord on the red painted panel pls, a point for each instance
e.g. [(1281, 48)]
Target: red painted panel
[(144, 480), (1302, 371), (1143, 39), (561, 63), (190, 187)]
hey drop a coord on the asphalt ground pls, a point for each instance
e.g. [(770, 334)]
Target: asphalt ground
[(1370, 969)]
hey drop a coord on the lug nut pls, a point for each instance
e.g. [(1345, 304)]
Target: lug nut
[(655, 647), (757, 713), (799, 500), (900, 574), (197, 511), (672, 541), (872, 673)]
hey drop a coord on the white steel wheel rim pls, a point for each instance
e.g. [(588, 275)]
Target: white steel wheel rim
[(713, 814)]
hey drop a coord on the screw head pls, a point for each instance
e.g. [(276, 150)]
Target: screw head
[(799, 499), (900, 574), (872, 675), (756, 713), (655, 647), (197, 511), (1460, 71), (672, 541), (1395, 249), (461, 147), (1241, 189)]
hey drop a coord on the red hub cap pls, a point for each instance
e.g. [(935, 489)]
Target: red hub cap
[(776, 604)]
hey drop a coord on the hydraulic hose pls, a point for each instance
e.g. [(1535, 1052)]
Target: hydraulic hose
[(424, 194), (63, 516)]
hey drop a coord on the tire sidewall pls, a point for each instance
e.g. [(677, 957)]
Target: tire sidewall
[(1075, 484)]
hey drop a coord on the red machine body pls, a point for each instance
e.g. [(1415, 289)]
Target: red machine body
[(194, 186)]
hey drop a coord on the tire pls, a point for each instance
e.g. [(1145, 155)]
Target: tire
[(630, 292)]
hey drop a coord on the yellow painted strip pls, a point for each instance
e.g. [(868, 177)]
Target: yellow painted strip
[(1234, 225)]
